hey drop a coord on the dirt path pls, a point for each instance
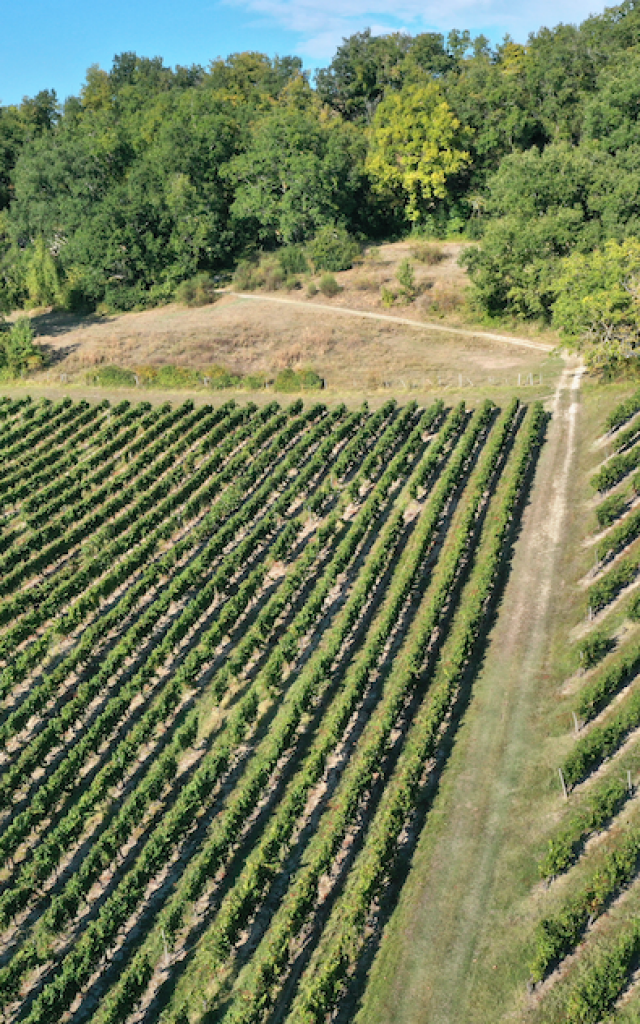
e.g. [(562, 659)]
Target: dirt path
[(420, 324), (439, 951)]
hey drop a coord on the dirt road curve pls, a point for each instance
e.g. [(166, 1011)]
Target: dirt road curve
[(443, 936), (421, 325)]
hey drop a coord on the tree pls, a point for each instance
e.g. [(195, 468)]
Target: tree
[(542, 207), (17, 350), (298, 173), (415, 148), (42, 279), (252, 79), (362, 69), (611, 116), (597, 303)]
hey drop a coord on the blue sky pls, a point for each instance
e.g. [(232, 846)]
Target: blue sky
[(50, 46)]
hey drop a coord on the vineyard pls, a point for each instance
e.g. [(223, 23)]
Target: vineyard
[(585, 951), (235, 644)]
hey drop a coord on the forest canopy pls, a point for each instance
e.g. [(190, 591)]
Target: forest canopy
[(154, 175)]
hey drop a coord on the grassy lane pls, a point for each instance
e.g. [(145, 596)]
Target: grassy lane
[(450, 953)]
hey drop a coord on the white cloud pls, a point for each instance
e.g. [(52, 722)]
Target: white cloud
[(321, 27)]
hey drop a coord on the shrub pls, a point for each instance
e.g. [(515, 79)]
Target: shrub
[(610, 509), (446, 298), (387, 297), (427, 252), (17, 350), (170, 376), (406, 278), (197, 291), (593, 648), (273, 277), (217, 377), (112, 377), (309, 380), (312, 289), (303, 380), (293, 260), (329, 286), (333, 248), (245, 278)]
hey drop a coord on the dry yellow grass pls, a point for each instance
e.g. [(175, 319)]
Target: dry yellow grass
[(353, 355)]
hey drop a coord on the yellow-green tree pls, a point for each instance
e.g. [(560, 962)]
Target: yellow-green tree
[(597, 305), (415, 147)]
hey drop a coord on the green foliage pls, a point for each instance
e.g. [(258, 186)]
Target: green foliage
[(601, 741), (387, 296), (624, 411), (610, 509), (598, 693), (17, 350), (597, 304), (564, 848), (112, 377), (557, 935), (329, 286), (333, 249), (619, 538), (297, 380), (293, 260), (416, 147), (197, 291), (297, 175), (153, 176), (602, 982), (594, 647), (407, 278), (606, 589), (42, 278)]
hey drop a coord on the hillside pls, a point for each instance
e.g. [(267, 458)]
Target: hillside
[(233, 640), (264, 332)]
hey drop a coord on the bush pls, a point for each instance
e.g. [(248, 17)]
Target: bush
[(406, 278), (329, 286), (445, 298), (273, 277), (593, 648), (303, 380), (112, 377), (312, 289), (427, 252), (293, 260), (245, 278), (333, 248), (17, 350), (611, 509), (218, 377), (387, 297), (170, 376), (197, 291)]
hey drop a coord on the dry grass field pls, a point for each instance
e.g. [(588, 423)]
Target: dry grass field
[(352, 354)]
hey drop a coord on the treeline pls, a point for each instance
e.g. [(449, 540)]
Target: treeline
[(153, 176)]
